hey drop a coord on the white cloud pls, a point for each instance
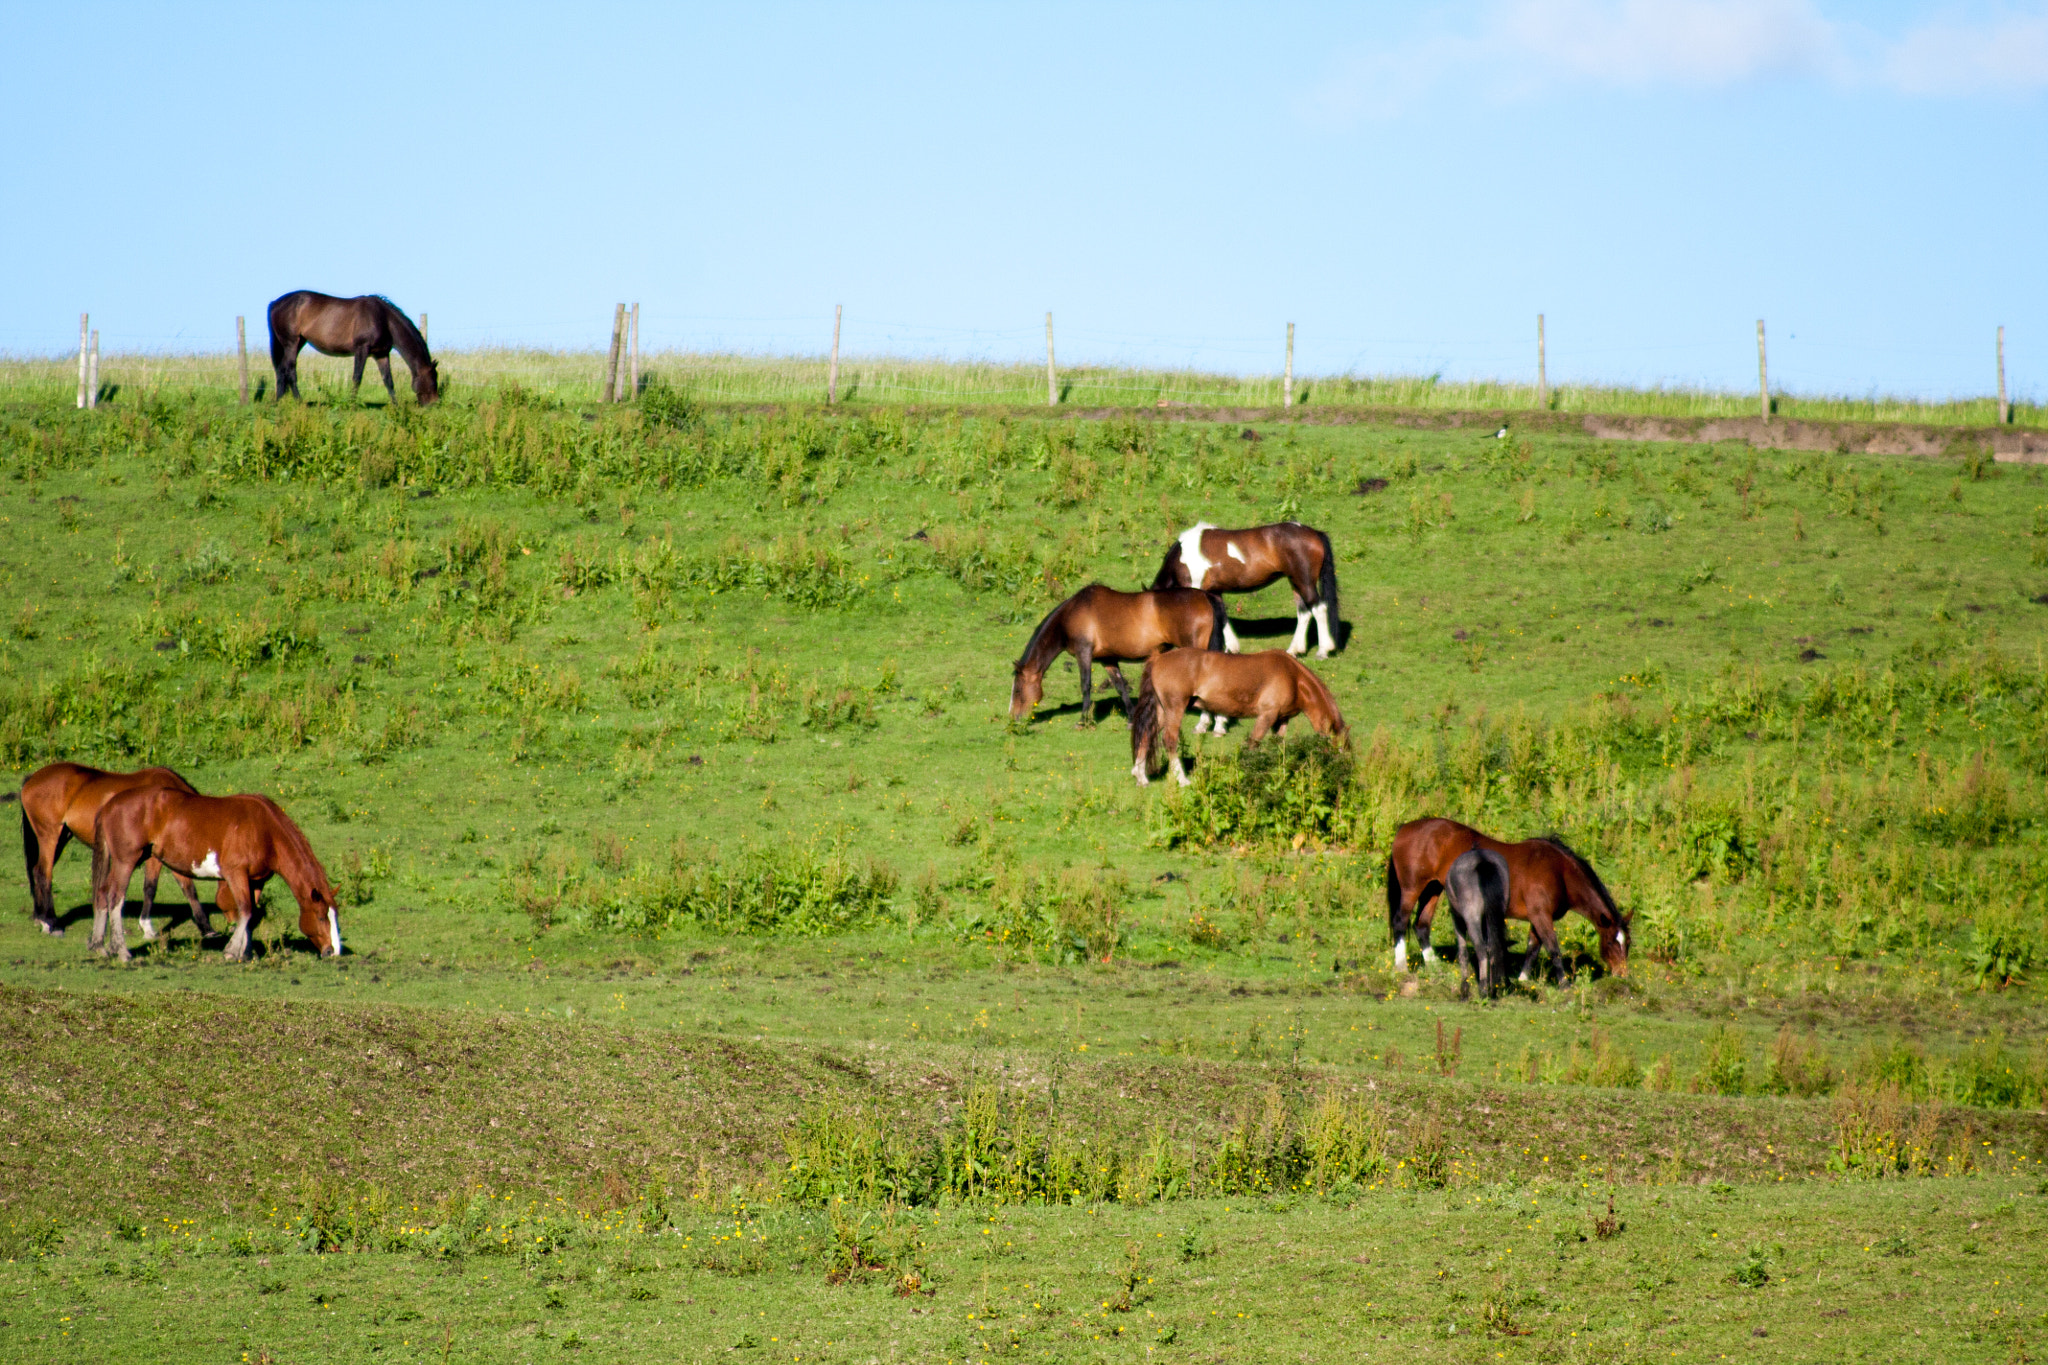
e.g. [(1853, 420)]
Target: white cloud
[(1519, 48), (2009, 56), (1655, 42)]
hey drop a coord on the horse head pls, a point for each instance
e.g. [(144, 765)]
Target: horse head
[(426, 382), (320, 919), (1027, 685)]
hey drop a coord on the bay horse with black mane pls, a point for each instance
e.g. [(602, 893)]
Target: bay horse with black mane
[(59, 803), (1248, 559), (242, 840), (1272, 685), (1546, 880), (1099, 625), (369, 327)]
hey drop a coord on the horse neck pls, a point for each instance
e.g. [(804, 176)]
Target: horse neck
[(1585, 895), (406, 337), (301, 872), (1048, 642)]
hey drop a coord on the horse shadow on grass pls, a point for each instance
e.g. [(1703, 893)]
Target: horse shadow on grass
[(1273, 627), (166, 918)]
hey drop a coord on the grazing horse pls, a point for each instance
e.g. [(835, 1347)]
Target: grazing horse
[(1272, 685), (242, 840), (369, 328), (1099, 625), (58, 804), (1247, 560), (1546, 880), (1477, 889)]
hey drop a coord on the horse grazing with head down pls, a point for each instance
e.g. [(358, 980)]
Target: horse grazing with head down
[(1100, 625), (369, 327), (1272, 685), (1248, 559), (242, 840), (58, 804), (1546, 880)]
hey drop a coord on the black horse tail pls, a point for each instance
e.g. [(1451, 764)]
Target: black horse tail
[(1167, 577), (1326, 582), (1144, 719), (1396, 925), (1218, 620)]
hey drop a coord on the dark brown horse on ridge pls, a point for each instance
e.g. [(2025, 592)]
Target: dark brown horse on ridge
[(242, 840), (1248, 559), (370, 327), (1100, 625), (1272, 685), (1546, 880), (58, 804)]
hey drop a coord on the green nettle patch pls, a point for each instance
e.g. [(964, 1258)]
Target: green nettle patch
[(1010, 1149), (787, 889)]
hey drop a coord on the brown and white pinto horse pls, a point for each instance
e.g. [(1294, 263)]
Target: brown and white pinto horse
[(242, 840), (58, 804), (368, 327), (1100, 625), (1546, 880), (1272, 685), (1248, 559)]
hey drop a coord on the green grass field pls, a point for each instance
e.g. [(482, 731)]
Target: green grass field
[(869, 381), (727, 972)]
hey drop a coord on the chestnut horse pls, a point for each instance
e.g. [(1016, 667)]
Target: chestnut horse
[(1247, 560), (58, 804), (242, 840), (1100, 625), (369, 328), (1272, 685), (1546, 880)]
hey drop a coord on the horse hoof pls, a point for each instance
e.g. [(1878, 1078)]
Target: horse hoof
[(50, 927)]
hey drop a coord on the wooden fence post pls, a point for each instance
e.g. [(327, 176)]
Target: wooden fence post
[(634, 390), (92, 372), (1287, 378), (423, 330), (2004, 408), (84, 322), (832, 375), (1052, 382), (242, 349), (611, 364), (1763, 375), (1542, 378)]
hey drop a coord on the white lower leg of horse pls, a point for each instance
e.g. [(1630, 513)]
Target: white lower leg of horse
[(1138, 771), (148, 929), (1428, 951), (1326, 640), (1201, 722), (1230, 645), (1299, 644), (1221, 721), (1401, 953), (1180, 773)]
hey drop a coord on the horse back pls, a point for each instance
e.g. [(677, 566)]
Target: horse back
[(1424, 849)]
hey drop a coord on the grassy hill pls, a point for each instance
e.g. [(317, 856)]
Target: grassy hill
[(699, 891)]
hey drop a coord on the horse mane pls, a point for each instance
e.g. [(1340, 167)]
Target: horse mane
[(295, 840), (1165, 577), (1599, 887), (1321, 689), (403, 325), (1037, 651)]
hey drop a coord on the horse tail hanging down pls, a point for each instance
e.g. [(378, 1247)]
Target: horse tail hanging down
[(1144, 717), (1219, 622), (1326, 584)]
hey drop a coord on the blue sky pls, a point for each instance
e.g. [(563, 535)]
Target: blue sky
[(1409, 184)]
